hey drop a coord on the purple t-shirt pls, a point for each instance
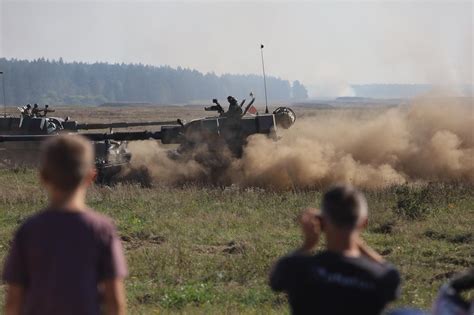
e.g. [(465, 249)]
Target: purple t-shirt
[(60, 257)]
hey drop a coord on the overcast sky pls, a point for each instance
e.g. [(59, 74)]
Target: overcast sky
[(315, 42)]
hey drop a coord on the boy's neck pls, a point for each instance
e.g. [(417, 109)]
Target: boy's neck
[(345, 244), (74, 201)]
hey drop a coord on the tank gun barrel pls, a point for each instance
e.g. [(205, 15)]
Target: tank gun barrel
[(117, 136), (15, 138), (123, 124), (124, 136)]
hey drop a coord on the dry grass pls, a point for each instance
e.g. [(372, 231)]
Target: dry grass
[(208, 250)]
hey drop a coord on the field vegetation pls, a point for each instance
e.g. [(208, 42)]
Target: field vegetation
[(208, 250)]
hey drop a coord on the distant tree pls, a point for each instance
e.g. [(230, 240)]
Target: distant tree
[(298, 91), (59, 82)]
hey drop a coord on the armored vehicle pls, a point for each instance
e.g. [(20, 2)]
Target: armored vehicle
[(20, 136)]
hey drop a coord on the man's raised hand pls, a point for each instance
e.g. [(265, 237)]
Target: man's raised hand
[(311, 228)]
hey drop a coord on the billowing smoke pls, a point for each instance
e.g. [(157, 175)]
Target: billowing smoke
[(430, 140)]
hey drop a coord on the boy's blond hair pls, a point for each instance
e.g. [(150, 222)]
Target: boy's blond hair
[(65, 161)]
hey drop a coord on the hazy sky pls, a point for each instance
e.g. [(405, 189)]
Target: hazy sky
[(315, 42)]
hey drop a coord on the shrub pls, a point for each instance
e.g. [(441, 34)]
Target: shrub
[(413, 202)]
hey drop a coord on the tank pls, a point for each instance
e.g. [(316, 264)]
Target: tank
[(20, 137), (27, 125), (229, 132), (24, 133), (111, 150)]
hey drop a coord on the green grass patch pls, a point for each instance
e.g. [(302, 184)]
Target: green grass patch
[(194, 250)]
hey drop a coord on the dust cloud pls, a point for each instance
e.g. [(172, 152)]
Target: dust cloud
[(428, 140)]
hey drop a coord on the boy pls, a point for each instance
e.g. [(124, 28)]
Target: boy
[(66, 257), (346, 278)]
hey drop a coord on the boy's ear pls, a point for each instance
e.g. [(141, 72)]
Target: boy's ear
[(364, 223), (94, 177), (42, 178), (322, 222), (91, 176)]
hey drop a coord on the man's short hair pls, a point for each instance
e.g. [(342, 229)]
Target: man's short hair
[(66, 161), (344, 206)]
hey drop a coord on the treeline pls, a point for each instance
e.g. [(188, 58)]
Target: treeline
[(57, 82)]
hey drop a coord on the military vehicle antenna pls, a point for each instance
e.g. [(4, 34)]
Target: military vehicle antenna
[(264, 79), (3, 92)]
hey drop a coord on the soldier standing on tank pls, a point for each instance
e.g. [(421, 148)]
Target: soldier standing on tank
[(232, 129), (35, 112), (46, 110), (234, 109), (27, 111)]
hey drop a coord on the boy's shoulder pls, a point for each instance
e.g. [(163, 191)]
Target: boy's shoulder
[(99, 219), (51, 217)]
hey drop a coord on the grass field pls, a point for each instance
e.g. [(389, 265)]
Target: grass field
[(196, 250), (208, 250)]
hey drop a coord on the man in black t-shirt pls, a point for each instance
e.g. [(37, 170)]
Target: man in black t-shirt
[(346, 278)]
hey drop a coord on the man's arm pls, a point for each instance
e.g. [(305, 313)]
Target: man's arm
[(311, 229), (14, 299), (114, 297), (370, 253), (280, 275), (390, 286), (283, 272), (112, 271)]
